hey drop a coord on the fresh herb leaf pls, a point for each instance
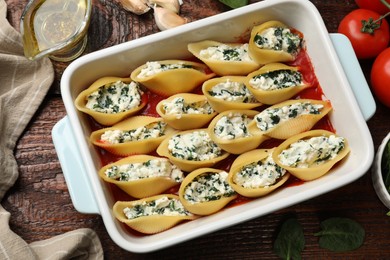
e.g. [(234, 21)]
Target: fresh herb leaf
[(340, 234), (385, 164), (290, 241), (234, 3)]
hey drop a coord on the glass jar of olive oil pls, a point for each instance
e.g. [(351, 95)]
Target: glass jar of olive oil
[(55, 28)]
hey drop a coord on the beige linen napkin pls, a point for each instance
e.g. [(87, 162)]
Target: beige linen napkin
[(23, 86)]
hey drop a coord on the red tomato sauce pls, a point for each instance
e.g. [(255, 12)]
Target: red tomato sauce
[(314, 92)]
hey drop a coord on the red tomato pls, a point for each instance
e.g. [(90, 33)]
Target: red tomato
[(373, 5), (380, 77), (366, 45)]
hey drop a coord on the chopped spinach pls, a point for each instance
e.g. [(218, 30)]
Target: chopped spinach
[(283, 78), (231, 54), (293, 113), (259, 40), (165, 67), (275, 119)]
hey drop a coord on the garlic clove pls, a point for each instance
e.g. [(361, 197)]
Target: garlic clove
[(166, 18), (135, 6), (173, 5)]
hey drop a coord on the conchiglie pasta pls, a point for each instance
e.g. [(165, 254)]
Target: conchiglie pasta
[(206, 191), (153, 214), (186, 111), (311, 154), (275, 82), (142, 176), (135, 135), (230, 131), (169, 77), (255, 174), (291, 117), (191, 149), (229, 93), (111, 99), (273, 41), (224, 58)]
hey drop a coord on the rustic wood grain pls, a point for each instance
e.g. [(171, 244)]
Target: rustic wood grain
[(41, 207)]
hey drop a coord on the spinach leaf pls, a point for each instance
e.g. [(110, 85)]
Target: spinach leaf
[(290, 241), (234, 3), (340, 234), (385, 164)]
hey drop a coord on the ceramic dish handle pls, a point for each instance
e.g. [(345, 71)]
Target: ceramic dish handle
[(76, 177), (354, 74), (74, 172)]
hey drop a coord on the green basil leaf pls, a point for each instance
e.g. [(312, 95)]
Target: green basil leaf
[(385, 166), (234, 3), (340, 234), (290, 241)]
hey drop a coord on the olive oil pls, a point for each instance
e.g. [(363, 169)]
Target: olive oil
[(55, 27)]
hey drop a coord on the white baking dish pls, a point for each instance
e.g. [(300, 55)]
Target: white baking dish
[(120, 60)]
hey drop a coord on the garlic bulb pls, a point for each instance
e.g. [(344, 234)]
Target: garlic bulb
[(173, 5), (135, 6), (166, 18)]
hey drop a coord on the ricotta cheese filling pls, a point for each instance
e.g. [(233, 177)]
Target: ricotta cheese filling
[(224, 52), (154, 67), (279, 39), (163, 206), (263, 173), (117, 136), (278, 79), (312, 151), (271, 117), (141, 170), (232, 126), (178, 107), (208, 187), (232, 91), (193, 146), (115, 98)]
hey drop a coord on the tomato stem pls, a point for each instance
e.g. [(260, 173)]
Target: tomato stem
[(379, 20), (370, 25), (386, 4)]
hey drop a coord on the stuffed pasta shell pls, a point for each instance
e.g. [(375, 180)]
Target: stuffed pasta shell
[(274, 41), (169, 77), (191, 149), (291, 117), (153, 214), (230, 131), (276, 82), (135, 135), (255, 174), (111, 99), (224, 58), (142, 176), (229, 93), (186, 111), (311, 154), (206, 191)]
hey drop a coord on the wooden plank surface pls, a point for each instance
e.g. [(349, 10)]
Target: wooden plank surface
[(41, 207)]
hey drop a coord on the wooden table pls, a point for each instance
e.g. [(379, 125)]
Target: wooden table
[(41, 207)]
